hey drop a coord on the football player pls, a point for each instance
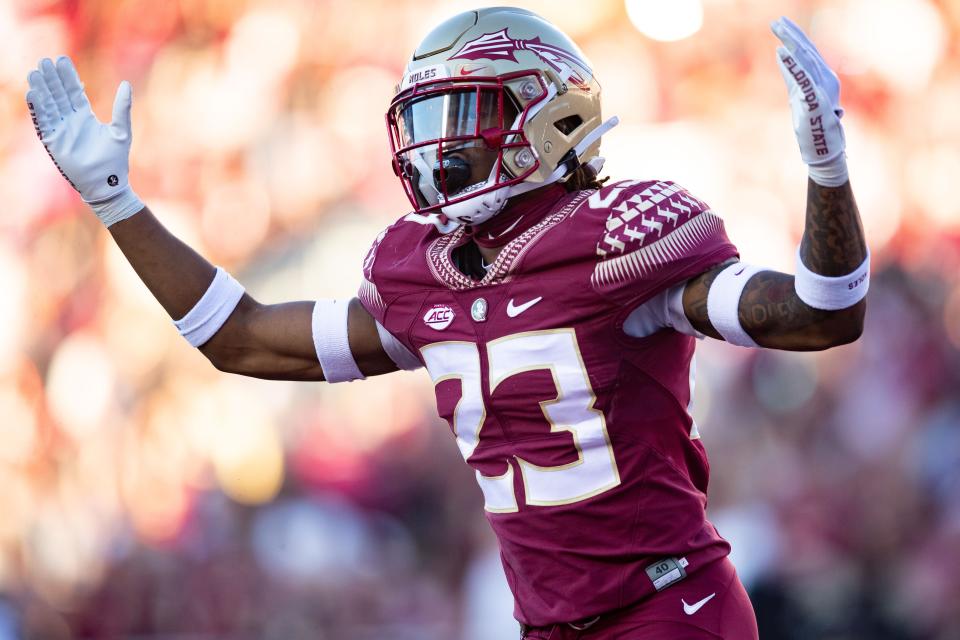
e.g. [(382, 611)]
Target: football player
[(556, 315)]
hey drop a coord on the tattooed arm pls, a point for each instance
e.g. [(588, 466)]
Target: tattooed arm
[(769, 310), (771, 313)]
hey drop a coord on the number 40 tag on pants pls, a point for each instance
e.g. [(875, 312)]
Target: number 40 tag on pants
[(666, 572)]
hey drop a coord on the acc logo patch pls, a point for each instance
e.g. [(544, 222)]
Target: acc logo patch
[(439, 317)]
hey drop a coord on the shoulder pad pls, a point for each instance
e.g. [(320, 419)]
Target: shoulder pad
[(649, 225), (368, 293), (640, 213), (392, 261)]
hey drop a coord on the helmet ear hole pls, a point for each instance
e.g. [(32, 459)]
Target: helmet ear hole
[(568, 125)]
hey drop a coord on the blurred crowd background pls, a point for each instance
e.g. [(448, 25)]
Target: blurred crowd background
[(143, 494)]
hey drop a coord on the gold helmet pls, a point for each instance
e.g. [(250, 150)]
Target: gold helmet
[(494, 103)]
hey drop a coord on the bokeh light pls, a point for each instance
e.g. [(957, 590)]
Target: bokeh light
[(80, 384), (666, 21), (901, 41), (13, 304), (248, 459)]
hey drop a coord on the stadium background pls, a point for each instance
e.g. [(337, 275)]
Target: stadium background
[(144, 494)]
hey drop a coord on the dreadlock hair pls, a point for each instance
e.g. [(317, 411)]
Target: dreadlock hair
[(584, 177)]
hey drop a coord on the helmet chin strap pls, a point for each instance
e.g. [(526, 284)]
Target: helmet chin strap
[(478, 210)]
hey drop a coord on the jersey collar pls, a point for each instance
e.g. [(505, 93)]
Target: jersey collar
[(439, 251)]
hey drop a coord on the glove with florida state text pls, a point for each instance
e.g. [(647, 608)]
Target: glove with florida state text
[(814, 91), (91, 155)]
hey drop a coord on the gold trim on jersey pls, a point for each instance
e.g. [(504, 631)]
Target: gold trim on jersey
[(441, 263), (572, 429)]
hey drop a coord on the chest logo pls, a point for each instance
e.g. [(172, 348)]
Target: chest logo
[(514, 310), (479, 310), (439, 317)]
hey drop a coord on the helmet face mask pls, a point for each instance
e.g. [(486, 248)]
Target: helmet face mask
[(494, 102), (457, 138)]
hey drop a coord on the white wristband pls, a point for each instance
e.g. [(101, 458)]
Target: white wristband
[(212, 310), (832, 293), (332, 343), (830, 174), (400, 355), (723, 302)]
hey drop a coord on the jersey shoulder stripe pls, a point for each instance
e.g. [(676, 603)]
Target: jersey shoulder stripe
[(649, 226), (370, 298), (383, 265)]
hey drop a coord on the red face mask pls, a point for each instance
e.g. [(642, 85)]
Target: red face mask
[(449, 136)]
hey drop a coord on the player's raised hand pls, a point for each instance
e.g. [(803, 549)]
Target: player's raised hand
[(91, 155), (814, 91)]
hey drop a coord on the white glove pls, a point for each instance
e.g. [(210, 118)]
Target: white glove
[(814, 91), (92, 156)]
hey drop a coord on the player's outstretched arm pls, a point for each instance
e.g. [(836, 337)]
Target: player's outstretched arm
[(259, 340), (212, 311), (823, 305)]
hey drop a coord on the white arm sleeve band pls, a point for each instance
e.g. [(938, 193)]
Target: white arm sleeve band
[(212, 310), (332, 343), (723, 302), (659, 312), (832, 293), (400, 355)]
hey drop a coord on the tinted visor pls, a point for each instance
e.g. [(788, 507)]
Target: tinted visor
[(450, 141)]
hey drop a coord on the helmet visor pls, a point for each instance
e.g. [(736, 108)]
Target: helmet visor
[(453, 114), (450, 141)]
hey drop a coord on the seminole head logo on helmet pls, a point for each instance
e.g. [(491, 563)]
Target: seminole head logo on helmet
[(493, 103), (500, 46)]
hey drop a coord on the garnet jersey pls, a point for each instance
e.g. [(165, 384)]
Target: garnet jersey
[(578, 433)]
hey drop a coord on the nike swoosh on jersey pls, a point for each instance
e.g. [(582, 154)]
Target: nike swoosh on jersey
[(514, 310), (691, 609)]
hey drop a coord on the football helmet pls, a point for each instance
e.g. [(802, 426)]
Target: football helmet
[(493, 103)]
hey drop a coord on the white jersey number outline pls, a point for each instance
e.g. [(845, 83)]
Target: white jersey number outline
[(572, 411)]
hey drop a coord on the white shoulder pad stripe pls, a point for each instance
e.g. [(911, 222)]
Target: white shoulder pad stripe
[(370, 296), (651, 257)]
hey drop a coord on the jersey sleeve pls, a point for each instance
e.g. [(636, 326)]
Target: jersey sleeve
[(654, 235), (368, 293), (386, 277)]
